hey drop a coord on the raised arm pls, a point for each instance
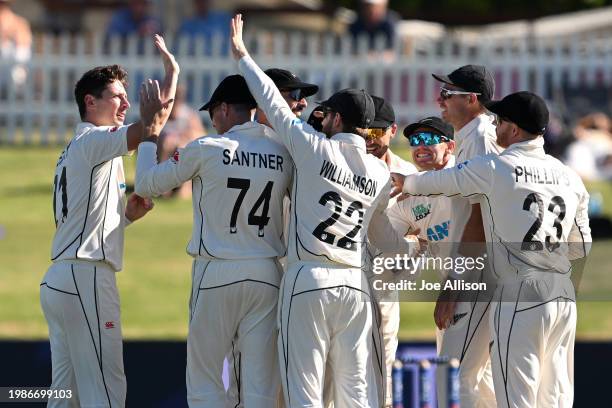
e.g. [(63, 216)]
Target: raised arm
[(159, 100), (153, 179), (295, 134)]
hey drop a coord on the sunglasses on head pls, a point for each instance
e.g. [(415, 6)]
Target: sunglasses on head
[(448, 93), (426, 139), (295, 94)]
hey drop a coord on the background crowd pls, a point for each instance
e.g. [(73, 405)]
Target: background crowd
[(580, 131)]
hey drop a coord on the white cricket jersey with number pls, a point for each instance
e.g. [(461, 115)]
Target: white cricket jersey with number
[(239, 181), (337, 186), (89, 196), (533, 202), (533, 205)]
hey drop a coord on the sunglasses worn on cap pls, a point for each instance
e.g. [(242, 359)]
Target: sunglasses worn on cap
[(448, 93), (497, 120), (295, 94), (427, 139)]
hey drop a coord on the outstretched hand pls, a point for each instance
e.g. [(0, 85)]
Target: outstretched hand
[(168, 59), (236, 43), (152, 108)]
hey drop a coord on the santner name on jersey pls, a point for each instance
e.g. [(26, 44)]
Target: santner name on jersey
[(345, 178), (253, 159)]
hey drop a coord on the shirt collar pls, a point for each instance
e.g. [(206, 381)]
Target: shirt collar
[(83, 126), (249, 126), (534, 146), (352, 139), (473, 124)]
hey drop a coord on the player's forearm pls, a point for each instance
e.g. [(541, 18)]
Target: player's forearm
[(466, 179), (384, 236), (169, 85), (429, 183), (268, 98), (152, 179)]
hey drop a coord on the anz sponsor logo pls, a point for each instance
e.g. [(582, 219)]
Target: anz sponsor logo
[(438, 232)]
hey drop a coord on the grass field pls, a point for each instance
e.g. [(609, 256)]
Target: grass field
[(154, 285)]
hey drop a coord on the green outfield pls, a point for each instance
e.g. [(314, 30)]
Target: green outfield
[(154, 284)]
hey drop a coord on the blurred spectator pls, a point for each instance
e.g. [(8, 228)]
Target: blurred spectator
[(136, 18), (374, 20), (206, 23), (183, 126), (65, 15), (558, 135), (591, 154), (15, 45)]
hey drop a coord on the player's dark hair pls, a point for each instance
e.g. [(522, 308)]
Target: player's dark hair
[(94, 81), (243, 107)]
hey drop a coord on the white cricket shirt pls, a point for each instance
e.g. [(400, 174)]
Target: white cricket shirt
[(239, 180), (337, 186), (430, 215), (533, 204), (476, 138), (89, 196)]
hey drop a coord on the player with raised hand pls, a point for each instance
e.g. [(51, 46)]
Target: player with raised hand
[(240, 179), (536, 220), (78, 294), (325, 312)]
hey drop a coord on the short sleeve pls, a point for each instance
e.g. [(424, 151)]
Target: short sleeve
[(103, 143)]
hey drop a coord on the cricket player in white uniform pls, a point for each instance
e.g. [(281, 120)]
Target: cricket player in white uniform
[(387, 312), (294, 91), (432, 145), (239, 181), (325, 312), (536, 222), (465, 335), (78, 294)]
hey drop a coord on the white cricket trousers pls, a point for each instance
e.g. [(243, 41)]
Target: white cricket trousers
[(233, 312), (533, 348), (389, 327), (468, 340), (325, 322), (80, 301)]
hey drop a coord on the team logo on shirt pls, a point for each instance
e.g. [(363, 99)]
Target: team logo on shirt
[(421, 211), (438, 232), (175, 156), (113, 129), (462, 165), (109, 325)]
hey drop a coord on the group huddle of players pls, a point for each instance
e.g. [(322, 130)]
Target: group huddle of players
[(288, 216)]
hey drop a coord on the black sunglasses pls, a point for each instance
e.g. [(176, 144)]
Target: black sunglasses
[(295, 94)]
